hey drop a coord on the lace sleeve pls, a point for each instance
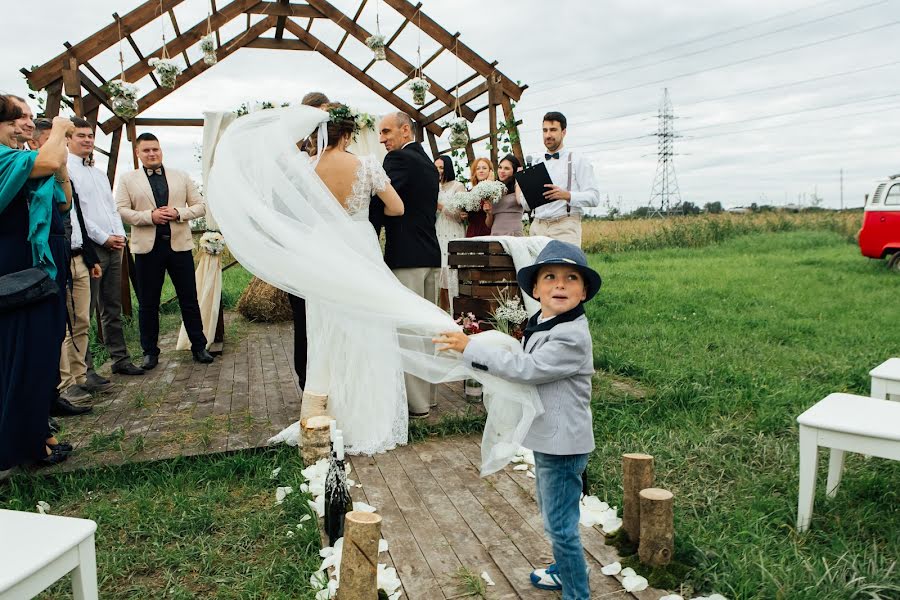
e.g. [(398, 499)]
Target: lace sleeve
[(377, 177)]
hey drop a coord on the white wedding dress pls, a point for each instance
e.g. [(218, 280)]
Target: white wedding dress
[(355, 359)]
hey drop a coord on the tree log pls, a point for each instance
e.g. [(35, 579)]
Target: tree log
[(657, 527), (637, 474), (313, 405), (314, 438), (359, 560)]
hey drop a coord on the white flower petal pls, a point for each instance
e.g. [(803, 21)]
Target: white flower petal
[(671, 597), (282, 492), (531, 474), (382, 546), (326, 552), (628, 572), (612, 526), (522, 467), (363, 507), (612, 569), (305, 518), (318, 580), (275, 473), (634, 583), (487, 578), (42, 507), (290, 534), (304, 487), (318, 505)]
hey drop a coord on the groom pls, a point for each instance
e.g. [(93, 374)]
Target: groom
[(411, 247)]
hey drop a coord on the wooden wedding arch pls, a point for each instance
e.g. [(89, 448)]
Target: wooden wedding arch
[(281, 25)]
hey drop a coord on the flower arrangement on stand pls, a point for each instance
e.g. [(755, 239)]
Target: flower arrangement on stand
[(510, 315), (212, 242), (208, 48), (419, 87), (364, 120), (459, 132), (166, 69), (124, 98), (376, 45), (473, 387)]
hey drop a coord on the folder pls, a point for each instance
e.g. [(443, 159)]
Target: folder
[(532, 182)]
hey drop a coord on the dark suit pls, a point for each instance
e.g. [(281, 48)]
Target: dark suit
[(410, 240)]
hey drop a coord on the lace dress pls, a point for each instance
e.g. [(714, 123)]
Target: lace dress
[(355, 359), (448, 227)]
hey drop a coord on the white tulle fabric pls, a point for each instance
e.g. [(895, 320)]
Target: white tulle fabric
[(284, 226)]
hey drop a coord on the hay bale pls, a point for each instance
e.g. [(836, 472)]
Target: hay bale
[(263, 302)]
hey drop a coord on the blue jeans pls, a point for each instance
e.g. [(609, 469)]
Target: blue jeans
[(558, 479)]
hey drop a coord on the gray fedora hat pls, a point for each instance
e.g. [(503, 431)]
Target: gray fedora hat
[(560, 253)]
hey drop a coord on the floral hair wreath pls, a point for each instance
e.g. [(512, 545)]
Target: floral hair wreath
[(360, 120)]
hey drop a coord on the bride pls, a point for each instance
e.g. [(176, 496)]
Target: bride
[(350, 358)]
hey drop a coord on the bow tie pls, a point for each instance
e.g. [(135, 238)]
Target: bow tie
[(157, 171), (87, 162), (549, 156)]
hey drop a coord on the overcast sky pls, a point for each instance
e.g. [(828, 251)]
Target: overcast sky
[(773, 98)]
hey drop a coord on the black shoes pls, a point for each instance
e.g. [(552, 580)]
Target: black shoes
[(150, 362), (54, 458), (127, 368), (95, 383), (63, 408), (202, 356)]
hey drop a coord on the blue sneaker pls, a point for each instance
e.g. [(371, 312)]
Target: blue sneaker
[(546, 579)]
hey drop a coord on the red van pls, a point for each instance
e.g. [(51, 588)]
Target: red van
[(880, 233)]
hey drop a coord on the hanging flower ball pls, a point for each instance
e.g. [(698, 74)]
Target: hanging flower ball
[(166, 69), (208, 48), (376, 45), (419, 87)]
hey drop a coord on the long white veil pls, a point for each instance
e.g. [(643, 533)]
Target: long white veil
[(283, 225)]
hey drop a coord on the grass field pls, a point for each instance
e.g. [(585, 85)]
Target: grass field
[(722, 349)]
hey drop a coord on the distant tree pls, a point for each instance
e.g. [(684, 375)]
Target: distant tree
[(643, 211), (689, 208), (754, 207), (713, 207)]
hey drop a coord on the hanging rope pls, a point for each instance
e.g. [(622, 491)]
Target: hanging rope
[(419, 72), (377, 18), (458, 110), (162, 23), (121, 56)]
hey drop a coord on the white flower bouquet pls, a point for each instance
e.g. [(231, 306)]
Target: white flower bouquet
[(376, 45), (509, 316), (490, 190), (212, 242), (466, 201), (166, 69), (208, 48), (419, 86)]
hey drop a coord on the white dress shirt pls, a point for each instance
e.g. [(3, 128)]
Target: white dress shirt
[(77, 240), (101, 219), (585, 192)]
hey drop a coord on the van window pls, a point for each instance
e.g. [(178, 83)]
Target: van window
[(876, 197), (893, 196)]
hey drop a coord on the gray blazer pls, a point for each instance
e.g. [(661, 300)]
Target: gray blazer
[(560, 362)]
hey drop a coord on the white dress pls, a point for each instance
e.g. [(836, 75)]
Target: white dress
[(354, 358), (448, 228)]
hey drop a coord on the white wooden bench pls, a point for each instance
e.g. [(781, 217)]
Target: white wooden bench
[(37, 550), (886, 379), (843, 423)]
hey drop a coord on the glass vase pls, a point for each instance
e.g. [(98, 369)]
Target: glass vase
[(418, 96), (474, 391), (124, 107), (379, 53), (458, 138)]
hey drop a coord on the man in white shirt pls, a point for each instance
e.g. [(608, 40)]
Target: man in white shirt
[(574, 187), (104, 228)]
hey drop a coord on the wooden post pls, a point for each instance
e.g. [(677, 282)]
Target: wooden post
[(359, 560), (637, 474), (72, 84), (493, 100), (54, 98), (315, 443), (131, 130), (114, 155), (432, 141), (657, 527), (513, 129)]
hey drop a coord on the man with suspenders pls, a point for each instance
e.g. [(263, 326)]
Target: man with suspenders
[(574, 187)]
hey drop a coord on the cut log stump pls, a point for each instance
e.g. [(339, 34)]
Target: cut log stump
[(657, 527), (637, 474), (315, 442), (359, 559)]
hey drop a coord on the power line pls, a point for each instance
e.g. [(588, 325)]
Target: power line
[(723, 66), (688, 42), (711, 48)]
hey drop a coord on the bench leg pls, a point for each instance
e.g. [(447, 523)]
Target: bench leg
[(84, 576), (879, 389), (808, 458), (835, 470)]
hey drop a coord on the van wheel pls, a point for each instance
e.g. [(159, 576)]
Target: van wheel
[(894, 262)]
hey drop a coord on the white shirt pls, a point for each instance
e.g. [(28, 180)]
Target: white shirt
[(77, 240), (101, 219), (585, 192)]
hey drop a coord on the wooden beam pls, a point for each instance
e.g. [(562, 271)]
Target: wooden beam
[(275, 44), (99, 41), (493, 87), (347, 33), (89, 67), (283, 9), (467, 97), (356, 72), (443, 37), (212, 5), (140, 55), (187, 60), (440, 49), (279, 26), (239, 41), (432, 141), (54, 97), (360, 33), (131, 131), (114, 155), (513, 128), (399, 29), (161, 122)]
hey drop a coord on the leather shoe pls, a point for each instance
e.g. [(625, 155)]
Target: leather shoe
[(150, 362), (76, 393), (97, 384), (54, 458), (202, 356), (127, 369), (62, 447), (63, 408)]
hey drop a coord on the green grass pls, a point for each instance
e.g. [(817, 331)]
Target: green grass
[(197, 527), (731, 343)]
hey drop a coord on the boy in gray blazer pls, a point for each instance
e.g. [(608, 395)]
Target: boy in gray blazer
[(558, 360)]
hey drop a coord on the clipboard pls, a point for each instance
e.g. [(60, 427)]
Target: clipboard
[(532, 181)]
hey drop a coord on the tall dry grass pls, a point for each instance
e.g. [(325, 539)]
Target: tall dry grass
[(702, 230)]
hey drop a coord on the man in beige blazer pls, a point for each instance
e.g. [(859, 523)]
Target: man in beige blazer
[(158, 203)]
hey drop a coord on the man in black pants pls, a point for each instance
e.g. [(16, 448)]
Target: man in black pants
[(158, 203)]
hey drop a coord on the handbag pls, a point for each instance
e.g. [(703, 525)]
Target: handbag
[(23, 288)]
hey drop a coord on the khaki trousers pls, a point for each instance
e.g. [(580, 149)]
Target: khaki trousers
[(422, 281), (566, 229), (72, 367)]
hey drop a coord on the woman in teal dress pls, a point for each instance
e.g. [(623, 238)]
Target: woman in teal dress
[(34, 192)]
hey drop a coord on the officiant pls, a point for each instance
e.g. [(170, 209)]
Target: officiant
[(573, 189)]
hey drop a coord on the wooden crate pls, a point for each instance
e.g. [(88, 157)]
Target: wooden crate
[(485, 272)]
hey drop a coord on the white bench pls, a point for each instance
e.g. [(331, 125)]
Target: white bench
[(37, 550), (843, 423), (886, 379)]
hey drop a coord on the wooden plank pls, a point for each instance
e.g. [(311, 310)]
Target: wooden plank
[(412, 568), (54, 97), (99, 41), (463, 100), (212, 5), (493, 86), (114, 147), (140, 55), (278, 44), (487, 291), (480, 307), (283, 9), (475, 246), (347, 33), (279, 24), (240, 398), (514, 129), (432, 142), (480, 260), (494, 275), (184, 53)]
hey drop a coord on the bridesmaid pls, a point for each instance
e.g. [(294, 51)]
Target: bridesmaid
[(482, 170), (449, 224), (505, 217)]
